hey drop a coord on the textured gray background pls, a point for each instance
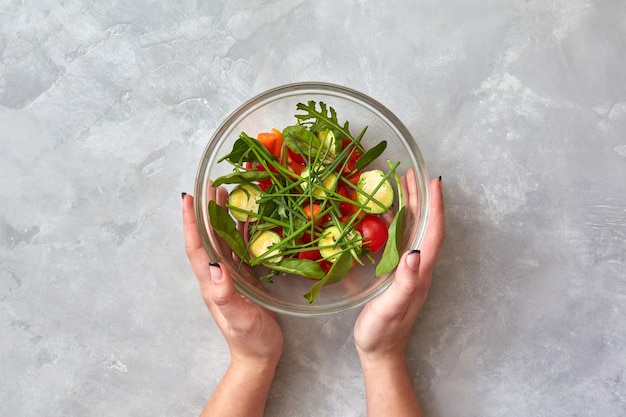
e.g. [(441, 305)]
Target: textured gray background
[(105, 108)]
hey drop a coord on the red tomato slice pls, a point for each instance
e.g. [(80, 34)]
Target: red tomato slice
[(373, 229), (295, 157), (326, 265), (265, 184), (354, 178), (312, 255), (296, 168)]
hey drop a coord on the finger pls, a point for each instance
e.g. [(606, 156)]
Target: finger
[(198, 257), (403, 291), (222, 196), (210, 191), (228, 302), (435, 232), (412, 201)]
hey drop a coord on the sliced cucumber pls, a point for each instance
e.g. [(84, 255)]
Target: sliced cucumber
[(328, 182), (243, 199), (264, 245), (370, 181)]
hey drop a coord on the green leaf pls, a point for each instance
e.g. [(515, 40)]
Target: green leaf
[(369, 156), (241, 177), (303, 267), (324, 119), (337, 272), (391, 256), (226, 228), (301, 141), (269, 277), (241, 151)]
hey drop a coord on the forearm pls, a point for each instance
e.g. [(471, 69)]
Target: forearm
[(388, 388), (242, 392)]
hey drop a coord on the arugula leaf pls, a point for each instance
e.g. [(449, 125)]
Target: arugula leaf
[(226, 228), (324, 119), (337, 272), (369, 156)]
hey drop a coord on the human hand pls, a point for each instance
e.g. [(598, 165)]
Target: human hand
[(252, 333), (383, 327)]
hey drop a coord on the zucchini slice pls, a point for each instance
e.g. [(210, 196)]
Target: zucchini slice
[(328, 182), (331, 248), (370, 181), (243, 199), (264, 244), (329, 142)]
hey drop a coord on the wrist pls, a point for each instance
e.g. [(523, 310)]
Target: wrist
[(256, 365), (382, 360)]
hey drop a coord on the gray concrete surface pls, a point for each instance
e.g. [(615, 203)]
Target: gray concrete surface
[(105, 108)]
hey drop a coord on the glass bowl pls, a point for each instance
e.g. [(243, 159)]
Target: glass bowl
[(275, 108)]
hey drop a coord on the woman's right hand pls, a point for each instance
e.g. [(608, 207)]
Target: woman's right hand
[(383, 327)]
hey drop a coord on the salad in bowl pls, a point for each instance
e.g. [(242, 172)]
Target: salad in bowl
[(313, 218)]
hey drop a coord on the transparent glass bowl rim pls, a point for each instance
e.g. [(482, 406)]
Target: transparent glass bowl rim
[(285, 91)]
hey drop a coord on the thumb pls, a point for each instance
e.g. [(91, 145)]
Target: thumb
[(407, 278), (395, 301), (224, 295)]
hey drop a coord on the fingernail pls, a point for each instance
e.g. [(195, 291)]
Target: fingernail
[(413, 261), (183, 195), (440, 178), (216, 272)]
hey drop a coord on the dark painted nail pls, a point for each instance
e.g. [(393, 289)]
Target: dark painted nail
[(182, 195), (414, 251), (440, 178), (214, 264)]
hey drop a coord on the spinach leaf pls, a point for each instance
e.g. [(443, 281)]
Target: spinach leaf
[(226, 228), (303, 267), (241, 177), (391, 256), (241, 152), (337, 272), (301, 141), (369, 156)]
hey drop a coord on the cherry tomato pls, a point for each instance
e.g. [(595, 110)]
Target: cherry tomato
[(373, 229), (344, 206)]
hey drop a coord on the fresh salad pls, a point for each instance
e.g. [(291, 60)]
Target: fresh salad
[(306, 201)]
